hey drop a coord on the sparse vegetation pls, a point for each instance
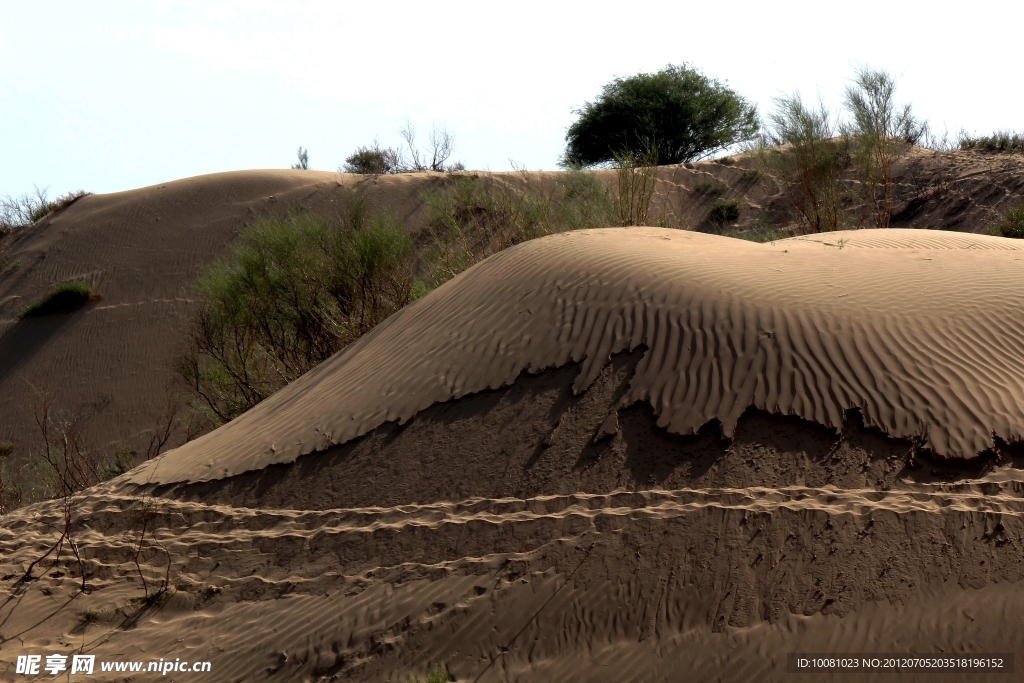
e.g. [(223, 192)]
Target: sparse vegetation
[(63, 465), (1013, 222), (678, 111), (709, 188), (761, 230), (303, 163), (62, 298), (123, 460), (750, 176), (23, 211), (723, 212), (637, 177), (476, 216), (799, 147), (11, 494), (290, 294), (377, 160), (434, 675), (373, 160), (880, 131), (90, 616), (1000, 141)]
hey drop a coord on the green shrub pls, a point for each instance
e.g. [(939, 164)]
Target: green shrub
[(709, 188), (750, 176), (724, 211), (475, 216), (880, 132), (761, 230), (290, 294), (123, 460), (1013, 222), (63, 298), (375, 160), (678, 110), (637, 177), (799, 147), (303, 159)]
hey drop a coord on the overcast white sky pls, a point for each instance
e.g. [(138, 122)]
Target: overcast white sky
[(108, 96)]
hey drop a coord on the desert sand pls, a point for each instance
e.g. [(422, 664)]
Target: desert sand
[(111, 364), (631, 454)]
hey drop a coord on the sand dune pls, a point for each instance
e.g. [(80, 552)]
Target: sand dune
[(143, 249), (111, 363), (918, 333), (420, 498), (628, 454)]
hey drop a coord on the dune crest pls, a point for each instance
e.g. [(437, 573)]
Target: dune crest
[(920, 332)]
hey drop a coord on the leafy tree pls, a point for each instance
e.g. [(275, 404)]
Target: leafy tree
[(678, 111)]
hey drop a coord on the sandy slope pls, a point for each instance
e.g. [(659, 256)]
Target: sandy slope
[(917, 331), (110, 363), (636, 506), (143, 250)]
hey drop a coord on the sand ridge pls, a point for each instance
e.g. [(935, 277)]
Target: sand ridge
[(920, 335)]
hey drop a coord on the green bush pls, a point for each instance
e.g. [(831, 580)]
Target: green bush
[(724, 211), (709, 188), (121, 462), (473, 217), (375, 160), (1013, 222), (290, 294), (800, 148), (880, 132), (761, 230), (678, 111), (63, 298)]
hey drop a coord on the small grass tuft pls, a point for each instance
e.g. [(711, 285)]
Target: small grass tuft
[(90, 616), (434, 675), (63, 298), (1013, 222), (6, 448), (724, 211)]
